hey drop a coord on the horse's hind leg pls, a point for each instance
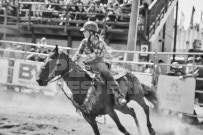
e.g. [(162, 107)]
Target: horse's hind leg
[(130, 111), (114, 116), (142, 103), (92, 122)]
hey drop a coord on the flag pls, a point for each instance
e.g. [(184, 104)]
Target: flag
[(182, 20), (201, 17), (201, 25), (192, 17), (201, 20)]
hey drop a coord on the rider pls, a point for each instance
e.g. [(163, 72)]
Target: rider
[(95, 50)]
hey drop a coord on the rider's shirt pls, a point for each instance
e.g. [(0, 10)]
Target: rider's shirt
[(93, 50)]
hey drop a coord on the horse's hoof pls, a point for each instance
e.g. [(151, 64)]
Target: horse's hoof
[(126, 133), (152, 131)]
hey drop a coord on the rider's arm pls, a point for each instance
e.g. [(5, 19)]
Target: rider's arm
[(195, 74), (80, 50)]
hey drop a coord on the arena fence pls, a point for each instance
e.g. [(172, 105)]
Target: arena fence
[(174, 94)]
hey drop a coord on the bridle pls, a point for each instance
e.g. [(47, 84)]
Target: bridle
[(49, 80)]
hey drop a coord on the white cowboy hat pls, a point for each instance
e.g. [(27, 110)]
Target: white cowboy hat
[(175, 65)]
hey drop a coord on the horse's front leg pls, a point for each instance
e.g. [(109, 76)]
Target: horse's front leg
[(91, 120), (114, 116)]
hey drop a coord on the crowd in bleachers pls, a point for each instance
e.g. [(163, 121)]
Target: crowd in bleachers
[(95, 10)]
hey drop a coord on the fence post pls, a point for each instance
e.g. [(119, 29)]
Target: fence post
[(18, 14), (6, 16), (29, 17), (67, 18), (103, 31), (155, 74), (193, 64), (146, 22)]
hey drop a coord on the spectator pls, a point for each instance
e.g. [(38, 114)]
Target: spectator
[(26, 7), (2, 8), (43, 41), (190, 68), (73, 9), (32, 57), (91, 12), (145, 3), (126, 3), (41, 58), (117, 11), (80, 13), (87, 3), (41, 44), (8, 51), (176, 70), (19, 55), (157, 72), (99, 8), (34, 7), (42, 7), (111, 2), (57, 8), (111, 17), (196, 48), (62, 13), (149, 68)]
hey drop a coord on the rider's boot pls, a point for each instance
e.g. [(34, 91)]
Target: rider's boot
[(119, 97)]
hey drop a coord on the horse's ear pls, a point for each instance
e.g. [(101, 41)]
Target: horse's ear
[(56, 48)]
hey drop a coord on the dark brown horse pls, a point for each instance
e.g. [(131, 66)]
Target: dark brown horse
[(58, 63)]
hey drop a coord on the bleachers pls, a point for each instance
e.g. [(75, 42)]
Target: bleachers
[(25, 14)]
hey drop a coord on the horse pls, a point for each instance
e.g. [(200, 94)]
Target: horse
[(79, 82)]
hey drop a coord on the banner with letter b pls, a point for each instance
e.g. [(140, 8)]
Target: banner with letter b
[(25, 75)]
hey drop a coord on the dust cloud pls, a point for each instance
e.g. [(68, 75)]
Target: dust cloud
[(34, 103)]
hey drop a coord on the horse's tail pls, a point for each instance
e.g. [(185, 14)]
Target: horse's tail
[(150, 94)]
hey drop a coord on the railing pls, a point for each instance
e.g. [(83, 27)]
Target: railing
[(156, 14)]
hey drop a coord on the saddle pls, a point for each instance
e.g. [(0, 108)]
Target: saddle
[(117, 73)]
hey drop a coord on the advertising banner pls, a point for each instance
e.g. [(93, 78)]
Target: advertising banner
[(25, 74), (3, 70), (175, 94)]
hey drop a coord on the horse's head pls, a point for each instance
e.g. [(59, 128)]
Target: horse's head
[(57, 63)]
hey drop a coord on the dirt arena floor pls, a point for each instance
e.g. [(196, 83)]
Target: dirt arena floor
[(29, 114)]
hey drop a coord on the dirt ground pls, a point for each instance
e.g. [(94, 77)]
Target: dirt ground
[(28, 114)]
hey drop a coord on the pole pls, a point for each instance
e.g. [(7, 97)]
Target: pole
[(163, 38), (132, 33), (175, 34)]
